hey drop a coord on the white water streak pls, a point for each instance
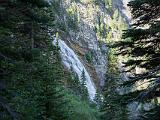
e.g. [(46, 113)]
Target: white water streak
[(70, 59)]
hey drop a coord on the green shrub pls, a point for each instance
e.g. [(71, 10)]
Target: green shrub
[(88, 56)]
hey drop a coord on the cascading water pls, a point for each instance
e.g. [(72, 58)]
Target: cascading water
[(70, 59)]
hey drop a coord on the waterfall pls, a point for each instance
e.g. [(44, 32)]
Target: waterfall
[(70, 59)]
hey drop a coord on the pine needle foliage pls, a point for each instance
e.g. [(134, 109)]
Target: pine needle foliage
[(141, 43)]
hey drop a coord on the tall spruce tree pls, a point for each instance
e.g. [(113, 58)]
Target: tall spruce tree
[(142, 44), (30, 70), (84, 91), (32, 77), (20, 45)]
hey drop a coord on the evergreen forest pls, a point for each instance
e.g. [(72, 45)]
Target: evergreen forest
[(50, 68)]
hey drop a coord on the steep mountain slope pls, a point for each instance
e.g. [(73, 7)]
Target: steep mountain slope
[(92, 26)]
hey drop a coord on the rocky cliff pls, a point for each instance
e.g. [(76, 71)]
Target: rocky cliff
[(91, 25), (94, 24)]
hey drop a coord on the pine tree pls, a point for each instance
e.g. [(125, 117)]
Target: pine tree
[(32, 76), (73, 83), (84, 91), (28, 75), (98, 99), (18, 49), (142, 45), (152, 114)]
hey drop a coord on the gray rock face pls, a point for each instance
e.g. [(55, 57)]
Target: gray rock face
[(100, 63), (85, 37), (85, 40), (135, 109), (121, 5)]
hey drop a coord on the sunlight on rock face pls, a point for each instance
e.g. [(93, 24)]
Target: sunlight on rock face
[(158, 99), (126, 10)]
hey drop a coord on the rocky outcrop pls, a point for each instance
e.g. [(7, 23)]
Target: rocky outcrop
[(86, 39)]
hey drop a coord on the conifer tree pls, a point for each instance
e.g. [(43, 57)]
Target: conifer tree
[(20, 24), (98, 99), (84, 91), (142, 45), (32, 77), (29, 76)]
